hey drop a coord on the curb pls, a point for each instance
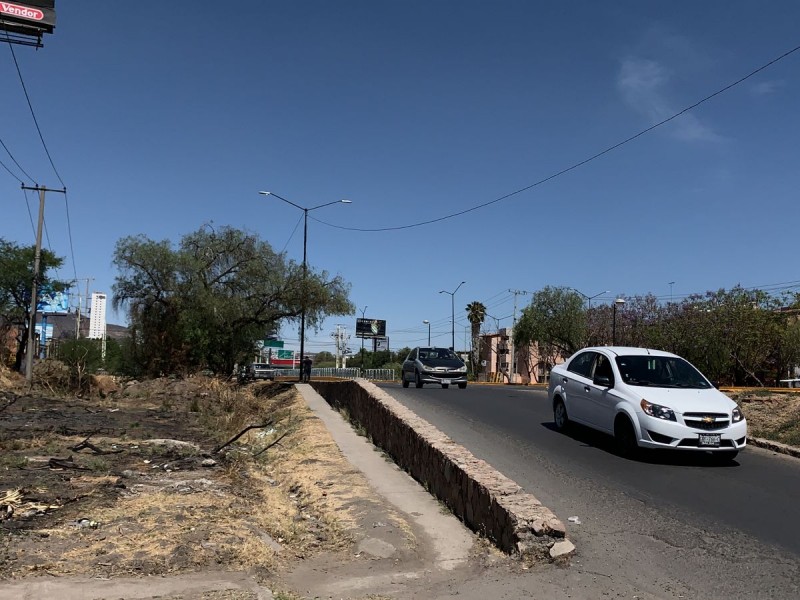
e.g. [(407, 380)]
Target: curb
[(484, 499), (775, 446)]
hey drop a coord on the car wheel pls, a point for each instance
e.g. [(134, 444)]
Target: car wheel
[(445, 386), (560, 415), (417, 380), (625, 435), (403, 377), (462, 386), (724, 457)]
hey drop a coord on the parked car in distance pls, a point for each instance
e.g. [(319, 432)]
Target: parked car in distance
[(441, 366), (646, 399), (255, 371)]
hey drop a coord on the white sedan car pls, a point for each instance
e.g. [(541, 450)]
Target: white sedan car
[(646, 399)]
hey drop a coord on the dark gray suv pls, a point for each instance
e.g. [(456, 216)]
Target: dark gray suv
[(441, 366)]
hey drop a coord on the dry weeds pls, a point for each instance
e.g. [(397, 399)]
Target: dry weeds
[(154, 508), (772, 415)]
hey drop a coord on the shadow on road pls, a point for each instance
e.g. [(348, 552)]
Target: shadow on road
[(601, 441)]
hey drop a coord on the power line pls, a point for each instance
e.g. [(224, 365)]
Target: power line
[(575, 165), (30, 215), (286, 245), (69, 233), (15, 162), (33, 114)]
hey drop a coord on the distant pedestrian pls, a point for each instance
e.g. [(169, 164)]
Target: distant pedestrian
[(307, 362)]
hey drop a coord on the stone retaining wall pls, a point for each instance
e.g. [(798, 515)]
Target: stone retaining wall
[(486, 500)]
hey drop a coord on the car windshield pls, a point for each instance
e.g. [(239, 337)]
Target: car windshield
[(436, 354), (660, 371)]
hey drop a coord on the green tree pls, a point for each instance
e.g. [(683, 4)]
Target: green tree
[(555, 320), (206, 302), (399, 355), (324, 359), (476, 314), (16, 280)]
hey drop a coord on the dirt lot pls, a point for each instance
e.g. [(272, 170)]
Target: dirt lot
[(136, 483)]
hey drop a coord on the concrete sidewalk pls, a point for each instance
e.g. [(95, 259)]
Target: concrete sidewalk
[(451, 540)]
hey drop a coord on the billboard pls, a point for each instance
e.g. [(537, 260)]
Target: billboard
[(30, 17), (279, 357), (53, 302), (370, 328)]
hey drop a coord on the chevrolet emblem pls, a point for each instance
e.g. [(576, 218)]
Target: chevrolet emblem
[(708, 419)]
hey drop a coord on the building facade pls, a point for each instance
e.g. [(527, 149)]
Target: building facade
[(495, 360), (97, 319)]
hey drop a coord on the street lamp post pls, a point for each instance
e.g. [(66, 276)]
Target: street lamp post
[(305, 266), (363, 311), (617, 303), (453, 312), (428, 323)]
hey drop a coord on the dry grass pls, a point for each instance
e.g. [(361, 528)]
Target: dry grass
[(772, 415), (128, 514)]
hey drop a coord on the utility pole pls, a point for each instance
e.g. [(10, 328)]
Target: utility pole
[(78, 313), (37, 257), (511, 369), (340, 338)]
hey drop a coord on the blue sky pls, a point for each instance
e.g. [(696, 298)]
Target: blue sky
[(160, 117)]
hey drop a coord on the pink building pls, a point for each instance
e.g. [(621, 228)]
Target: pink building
[(495, 358)]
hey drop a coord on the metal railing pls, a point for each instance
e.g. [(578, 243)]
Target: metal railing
[(379, 374), (322, 372), (370, 374)]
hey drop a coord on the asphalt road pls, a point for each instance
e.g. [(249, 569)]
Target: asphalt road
[(673, 525)]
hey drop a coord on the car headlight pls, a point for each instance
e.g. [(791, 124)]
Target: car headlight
[(657, 411), (460, 369), (737, 415)]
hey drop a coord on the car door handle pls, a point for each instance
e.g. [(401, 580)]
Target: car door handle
[(586, 388)]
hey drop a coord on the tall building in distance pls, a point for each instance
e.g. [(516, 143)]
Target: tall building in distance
[(97, 320)]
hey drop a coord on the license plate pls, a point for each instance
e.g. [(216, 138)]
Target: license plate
[(446, 381), (709, 440)]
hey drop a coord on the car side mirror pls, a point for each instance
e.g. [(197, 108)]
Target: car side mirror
[(602, 381)]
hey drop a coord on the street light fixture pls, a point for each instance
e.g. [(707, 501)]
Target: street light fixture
[(428, 323), (617, 303), (305, 265), (590, 298), (453, 312)]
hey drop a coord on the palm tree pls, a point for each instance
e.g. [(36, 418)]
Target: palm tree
[(476, 313)]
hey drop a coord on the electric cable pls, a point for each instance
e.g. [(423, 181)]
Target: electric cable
[(286, 245), (69, 233), (30, 215), (16, 163), (33, 114), (573, 166)]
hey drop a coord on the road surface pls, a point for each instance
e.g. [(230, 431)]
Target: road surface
[(675, 525)]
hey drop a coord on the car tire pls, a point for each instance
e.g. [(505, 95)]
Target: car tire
[(560, 416), (417, 380), (462, 386), (403, 378), (445, 386), (724, 457), (625, 436)]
